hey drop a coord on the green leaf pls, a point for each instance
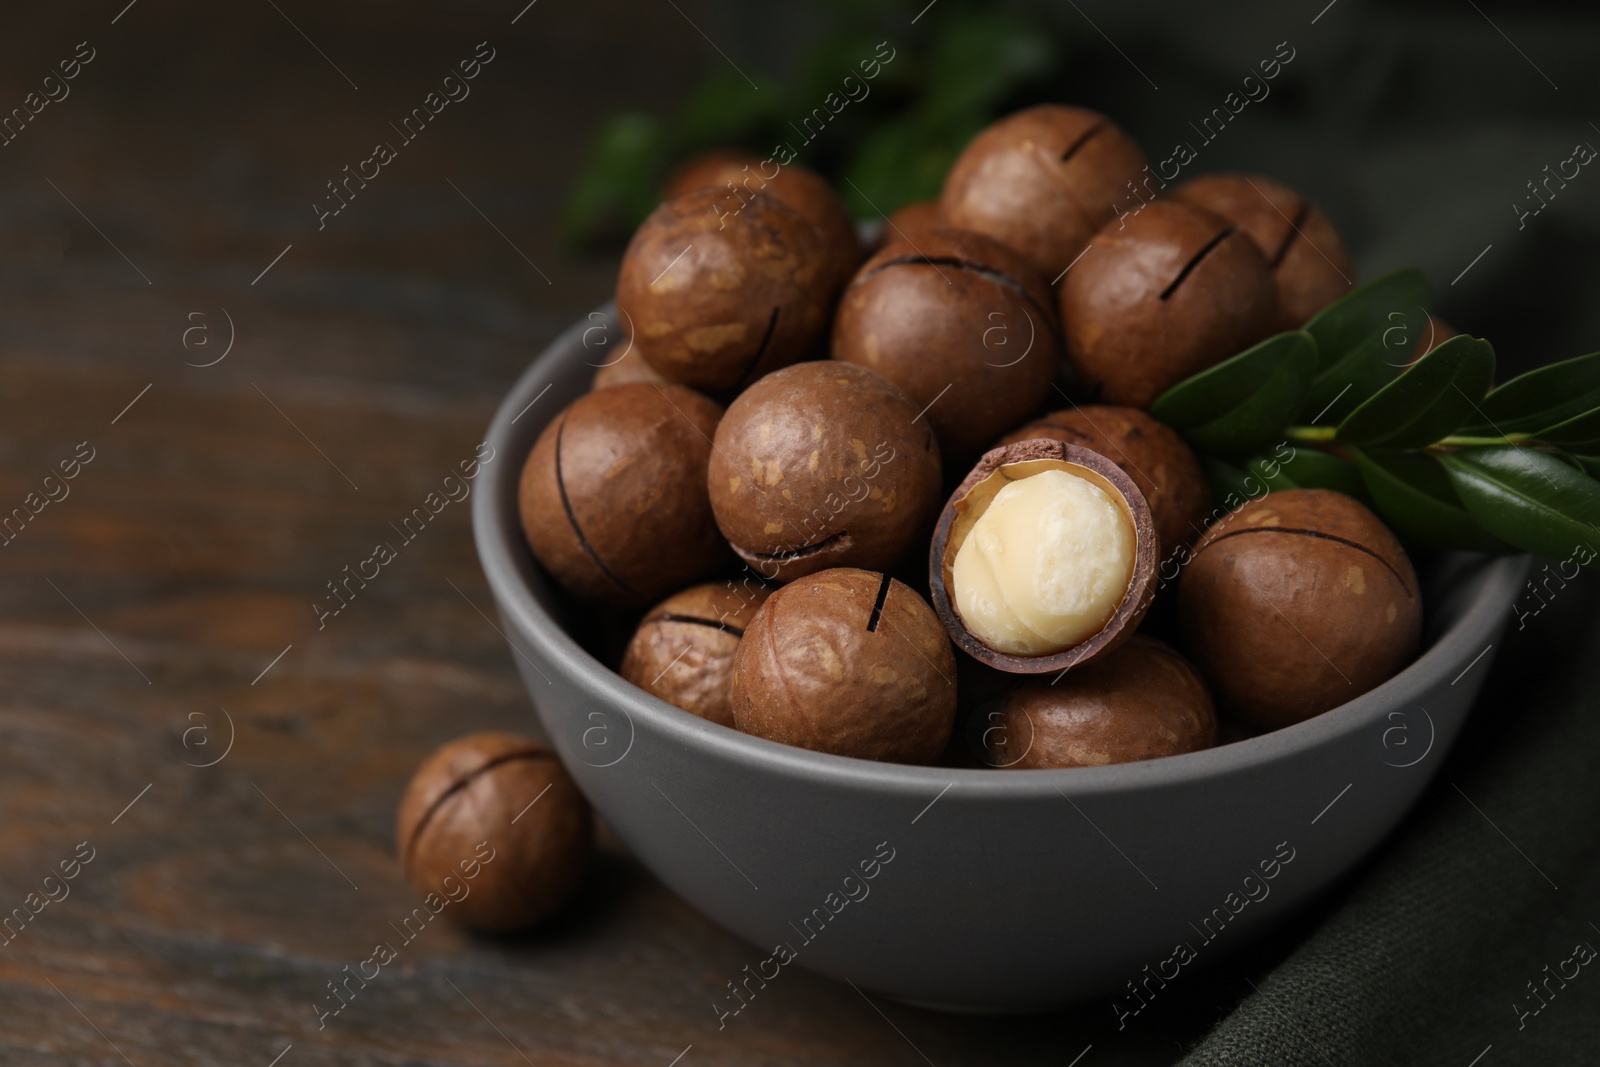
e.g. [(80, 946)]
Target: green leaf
[(1307, 468), (620, 183), (1414, 495), (1367, 367), (1367, 310), (1581, 433), (1243, 404), (1435, 395), (1530, 499), (979, 58), (1542, 398)]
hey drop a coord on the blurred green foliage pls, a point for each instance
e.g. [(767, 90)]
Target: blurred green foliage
[(958, 68)]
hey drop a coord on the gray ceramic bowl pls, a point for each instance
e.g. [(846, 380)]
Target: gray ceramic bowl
[(990, 890)]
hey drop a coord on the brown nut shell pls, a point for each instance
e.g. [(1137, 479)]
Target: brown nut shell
[(625, 371), (613, 495), (712, 168), (960, 322), (1042, 181), (1140, 701), (1170, 292), (716, 299), (683, 649), (823, 465), (493, 824), (850, 662), (1297, 603), (909, 221), (1020, 460), (740, 177), (1310, 264), (1164, 468)]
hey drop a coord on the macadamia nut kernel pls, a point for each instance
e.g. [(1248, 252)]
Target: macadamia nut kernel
[(1046, 564)]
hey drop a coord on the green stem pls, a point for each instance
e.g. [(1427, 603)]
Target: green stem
[(1323, 435)]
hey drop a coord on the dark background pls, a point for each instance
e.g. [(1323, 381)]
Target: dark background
[(372, 354)]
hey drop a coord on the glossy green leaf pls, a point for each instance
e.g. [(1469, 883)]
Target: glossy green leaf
[(1384, 303), (1245, 403), (1367, 367), (1437, 394), (1591, 464), (1530, 499), (1541, 398), (1413, 494), (1306, 468)]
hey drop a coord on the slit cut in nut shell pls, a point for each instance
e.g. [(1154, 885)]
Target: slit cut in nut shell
[(1043, 559)]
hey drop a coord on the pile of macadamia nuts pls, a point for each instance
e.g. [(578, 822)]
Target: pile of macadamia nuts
[(907, 503)]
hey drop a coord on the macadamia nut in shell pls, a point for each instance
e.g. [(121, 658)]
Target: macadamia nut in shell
[(1297, 603), (823, 465), (850, 662), (613, 496), (683, 650), (1141, 701), (493, 824)]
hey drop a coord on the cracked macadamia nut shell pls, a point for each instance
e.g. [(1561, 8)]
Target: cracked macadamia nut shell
[(740, 177), (960, 322), (613, 495), (850, 662), (1043, 181), (1164, 468), (493, 825), (1297, 603), (977, 491), (823, 465), (714, 300), (1310, 265), (1161, 296), (683, 649), (1140, 701)]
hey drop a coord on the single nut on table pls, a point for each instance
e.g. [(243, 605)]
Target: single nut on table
[(850, 662), (823, 465), (1169, 292), (716, 304), (1310, 265), (963, 324), (1141, 701), (493, 828), (1297, 603), (741, 176), (1043, 181), (683, 649), (1164, 468), (613, 495), (1043, 559)]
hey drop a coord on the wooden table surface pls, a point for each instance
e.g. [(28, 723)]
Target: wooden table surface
[(157, 617)]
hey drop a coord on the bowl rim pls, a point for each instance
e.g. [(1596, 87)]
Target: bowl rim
[(505, 558)]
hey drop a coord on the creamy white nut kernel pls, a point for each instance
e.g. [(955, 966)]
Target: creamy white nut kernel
[(1045, 566)]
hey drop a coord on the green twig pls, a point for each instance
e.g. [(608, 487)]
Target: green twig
[(1324, 435)]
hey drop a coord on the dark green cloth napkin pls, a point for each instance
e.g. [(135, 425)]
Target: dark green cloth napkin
[(1492, 884)]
